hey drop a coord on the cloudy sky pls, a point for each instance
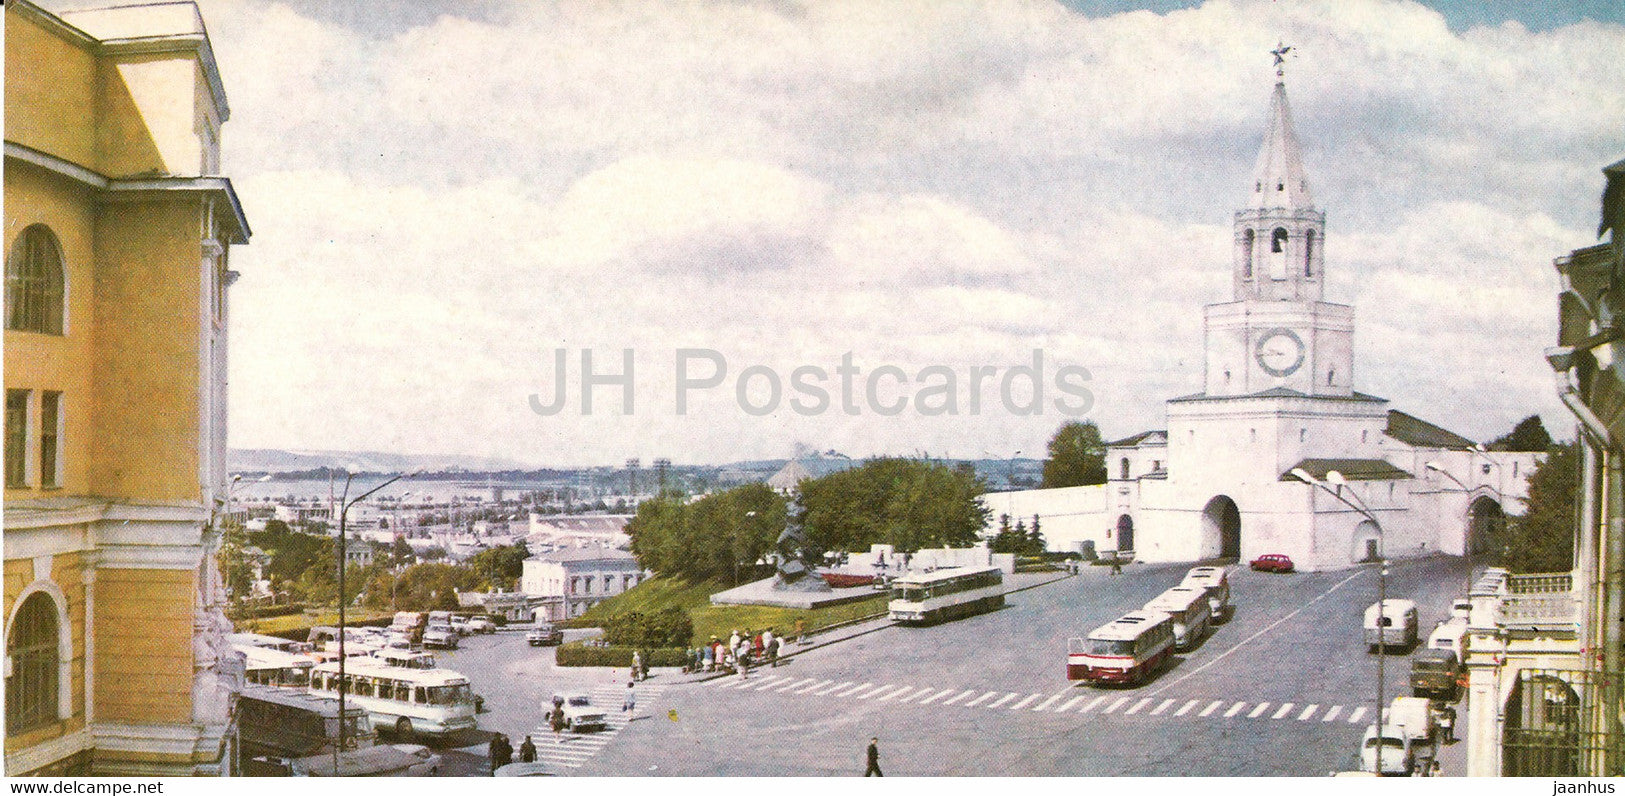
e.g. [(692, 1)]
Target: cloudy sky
[(443, 194)]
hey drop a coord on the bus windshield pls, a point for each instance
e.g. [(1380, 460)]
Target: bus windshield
[(1097, 646), (913, 594), (449, 694)]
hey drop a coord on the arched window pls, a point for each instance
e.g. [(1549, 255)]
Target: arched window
[(1278, 240), (1309, 253), (34, 282), (31, 690), (1247, 255), (1123, 467)]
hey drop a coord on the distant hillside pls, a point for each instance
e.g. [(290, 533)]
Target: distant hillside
[(270, 460)]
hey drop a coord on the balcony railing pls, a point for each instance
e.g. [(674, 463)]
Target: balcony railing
[(1543, 601)]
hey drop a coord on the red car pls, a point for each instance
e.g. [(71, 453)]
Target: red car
[(1272, 562)]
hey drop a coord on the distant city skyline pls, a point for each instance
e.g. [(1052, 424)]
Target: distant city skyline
[(443, 195)]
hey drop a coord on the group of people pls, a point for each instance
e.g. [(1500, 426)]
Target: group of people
[(501, 751), (739, 652)]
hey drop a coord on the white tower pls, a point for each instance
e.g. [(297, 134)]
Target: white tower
[(1277, 332)]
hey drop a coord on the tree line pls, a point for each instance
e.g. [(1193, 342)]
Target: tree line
[(908, 503)]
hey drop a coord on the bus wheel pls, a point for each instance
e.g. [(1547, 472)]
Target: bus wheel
[(403, 729)]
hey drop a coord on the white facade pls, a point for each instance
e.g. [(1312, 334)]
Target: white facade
[(571, 581), (1279, 394)]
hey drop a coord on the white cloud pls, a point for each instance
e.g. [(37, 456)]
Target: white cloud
[(439, 206)]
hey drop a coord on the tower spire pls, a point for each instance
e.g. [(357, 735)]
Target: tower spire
[(1278, 177)]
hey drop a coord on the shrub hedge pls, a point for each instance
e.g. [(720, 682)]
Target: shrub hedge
[(265, 611), (576, 653)]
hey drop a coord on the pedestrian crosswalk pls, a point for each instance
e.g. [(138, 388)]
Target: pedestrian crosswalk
[(1074, 701), (572, 749)]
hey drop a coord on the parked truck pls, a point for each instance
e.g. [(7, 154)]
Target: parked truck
[(1434, 673), (1405, 734)]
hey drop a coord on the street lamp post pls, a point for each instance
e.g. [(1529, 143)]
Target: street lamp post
[(345, 502), (1333, 485)]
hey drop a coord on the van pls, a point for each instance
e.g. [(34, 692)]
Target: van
[(1189, 607), (1390, 623), (1450, 634), (1217, 583)]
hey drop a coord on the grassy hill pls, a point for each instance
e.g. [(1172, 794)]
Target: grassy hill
[(721, 620)]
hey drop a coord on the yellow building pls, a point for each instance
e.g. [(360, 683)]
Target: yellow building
[(117, 228)]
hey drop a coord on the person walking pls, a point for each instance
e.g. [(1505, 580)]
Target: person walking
[(710, 657), (637, 665), (772, 649), (873, 770), (629, 706), (733, 641), (801, 631), (501, 752), (527, 751), (493, 752), (556, 719)]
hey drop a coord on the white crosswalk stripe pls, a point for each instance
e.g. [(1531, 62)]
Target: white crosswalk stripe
[(1307, 712), (1046, 703), (1234, 709), (1262, 706), (1285, 708), (1187, 708), (836, 687), (1023, 703), (1210, 708), (817, 685), (1331, 713), (957, 698), (934, 697), (1137, 706), (1002, 700), (1067, 705), (855, 689), (1164, 706), (983, 698), (1095, 703), (1116, 705), (1354, 718)]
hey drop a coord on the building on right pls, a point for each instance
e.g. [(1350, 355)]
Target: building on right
[(1545, 650)]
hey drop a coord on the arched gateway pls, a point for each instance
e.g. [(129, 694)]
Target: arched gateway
[(1221, 528)]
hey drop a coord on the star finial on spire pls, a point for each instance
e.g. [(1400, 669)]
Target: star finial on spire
[(1280, 52)]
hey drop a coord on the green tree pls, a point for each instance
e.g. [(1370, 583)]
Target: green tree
[(1542, 540), (1528, 436), (499, 567), (1077, 456), (1035, 539), (908, 503)]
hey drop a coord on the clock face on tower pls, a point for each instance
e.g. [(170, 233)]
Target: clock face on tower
[(1279, 352)]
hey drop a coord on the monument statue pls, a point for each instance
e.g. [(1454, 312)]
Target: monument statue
[(797, 560)]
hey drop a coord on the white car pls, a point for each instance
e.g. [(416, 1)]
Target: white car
[(579, 713), (428, 763), (480, 624)]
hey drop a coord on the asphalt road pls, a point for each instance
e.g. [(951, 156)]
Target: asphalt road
[(1284, 688)]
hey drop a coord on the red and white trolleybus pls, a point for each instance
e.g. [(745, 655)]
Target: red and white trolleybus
[(1126, 650)]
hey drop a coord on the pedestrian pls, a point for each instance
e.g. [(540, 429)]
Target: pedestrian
[(1447, 724), (629, 706), (1117, 566), (710, 653), (801, 631), (556, 720), (772, 650), (874, 759), (767, 638), (637, 665), (757, 646), (501, 752), (493, 752), (527, 751), (733, 641)]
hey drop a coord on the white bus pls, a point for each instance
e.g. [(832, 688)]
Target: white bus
[(268, 666), (241, 640), (1125, 650), (1191, 611), (412, 702), (923, 598)]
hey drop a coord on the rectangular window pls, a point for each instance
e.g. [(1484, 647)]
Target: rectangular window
[(50, 425), (16, 438)]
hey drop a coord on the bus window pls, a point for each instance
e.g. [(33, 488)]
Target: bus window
[(422, 695), (1097, 646)]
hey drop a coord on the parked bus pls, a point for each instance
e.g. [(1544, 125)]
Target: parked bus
[(271, 667), (241, 640), (405, 659), (928, 597), (1126, 650), (1191, 611), (412, 702), (1217, 583), (283, 723)]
